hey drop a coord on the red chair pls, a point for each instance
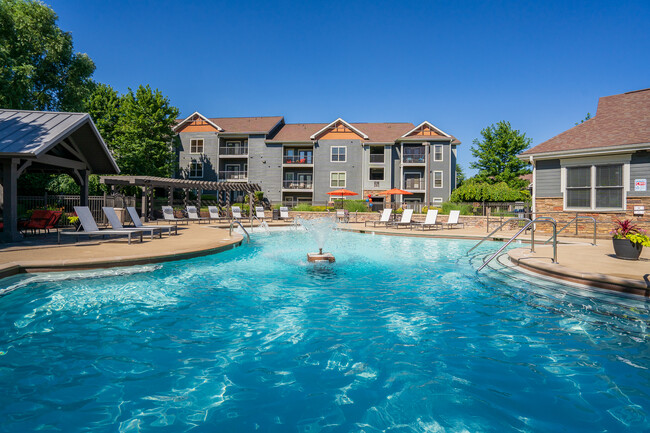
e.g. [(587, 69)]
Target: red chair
[(41, 220)]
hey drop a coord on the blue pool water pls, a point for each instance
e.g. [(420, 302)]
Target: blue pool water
[(400, 335)]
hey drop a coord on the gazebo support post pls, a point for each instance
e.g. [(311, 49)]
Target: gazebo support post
[(83, 184), (10, 200)]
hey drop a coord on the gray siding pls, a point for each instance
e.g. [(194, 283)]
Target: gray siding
[(639, 169), (322, 167), (445, 166), (265, 166), (209, 157), (547, 178), (382, 184)]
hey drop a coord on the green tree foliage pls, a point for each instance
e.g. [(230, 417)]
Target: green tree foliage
[(587, 117), (475, 190), (36, 184), (137, 128), (39, 69), (497, 154), (460, 175)]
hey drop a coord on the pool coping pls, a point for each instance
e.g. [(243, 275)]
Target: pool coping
[(602, 281)]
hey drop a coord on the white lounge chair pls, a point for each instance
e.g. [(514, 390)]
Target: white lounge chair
[(452, 221), (90, 227), (115, 222), (406, 219), (168, 214), (214, 213), (259, 213), (384, 220), (429, 221), (138, 223), (236, 212), (284, 213), (193, 215), (342, 215)]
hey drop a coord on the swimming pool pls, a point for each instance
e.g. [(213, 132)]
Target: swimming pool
[(399, 335)]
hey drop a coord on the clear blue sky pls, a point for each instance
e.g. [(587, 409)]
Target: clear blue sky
[(462, 65)]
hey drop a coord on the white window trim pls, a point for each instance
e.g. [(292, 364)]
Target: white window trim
[(436, 200), (202, 146), (345, 179), (376, 168), (442, 153), (593, 162), (422, 177), (442, 179), (190, 169), (339, 147)]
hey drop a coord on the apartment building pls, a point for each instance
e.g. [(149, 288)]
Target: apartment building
[(303, 162)]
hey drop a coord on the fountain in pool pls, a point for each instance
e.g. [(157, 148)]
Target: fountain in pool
[(319, 228)]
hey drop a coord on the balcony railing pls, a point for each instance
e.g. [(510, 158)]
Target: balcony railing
[(413, 157), (377, 158), (305, 159), (233, 175), (414, 183), (233, 150), (298, 184)]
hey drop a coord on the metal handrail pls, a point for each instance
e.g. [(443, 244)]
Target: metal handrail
[(532, 239), (576, 218), (232, 223), (497, 229)]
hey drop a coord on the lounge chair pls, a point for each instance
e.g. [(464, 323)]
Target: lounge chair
[(405, 221), (90, 227), (138, 223), (384, 220), (115, 222), (259, 213), (193, 215), (41, 220), (168, 214), (236, 212), (452, 221), (214, 213), (429, 222), (342, 215), (284, 213)]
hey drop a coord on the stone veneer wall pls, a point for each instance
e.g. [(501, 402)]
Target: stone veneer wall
[(604, 220)]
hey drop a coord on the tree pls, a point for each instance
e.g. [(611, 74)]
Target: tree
[(497, 155), (473, 190), (39, 68), (587, 117), (460, 175), (103, 105), (142, 138)]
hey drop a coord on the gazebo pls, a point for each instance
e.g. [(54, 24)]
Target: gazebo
[(148, 183), (47, 142)]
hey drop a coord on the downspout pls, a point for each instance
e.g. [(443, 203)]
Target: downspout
[(531, 159)]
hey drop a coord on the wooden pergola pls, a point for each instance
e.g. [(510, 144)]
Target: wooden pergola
[(47, 142), (148, 183)]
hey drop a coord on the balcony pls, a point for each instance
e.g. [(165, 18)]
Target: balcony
[(298, 160), (414, 183), (377, 158), (298, 184), (413, 157), (233, 176), (240, 150)]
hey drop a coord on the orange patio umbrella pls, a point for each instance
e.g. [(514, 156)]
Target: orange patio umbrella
[(394, 191), (342, 192)]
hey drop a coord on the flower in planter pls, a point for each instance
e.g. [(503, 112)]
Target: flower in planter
[(627, 230)]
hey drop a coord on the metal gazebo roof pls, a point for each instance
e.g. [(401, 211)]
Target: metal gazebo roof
[(164, 182)]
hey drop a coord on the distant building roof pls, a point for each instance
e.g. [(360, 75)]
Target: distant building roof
[(620, 120), (32, 134)]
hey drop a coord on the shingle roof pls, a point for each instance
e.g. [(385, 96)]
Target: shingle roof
[(247, 124), (620, 119), (377, 132)]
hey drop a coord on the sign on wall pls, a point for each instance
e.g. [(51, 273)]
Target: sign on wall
[(640, 184)]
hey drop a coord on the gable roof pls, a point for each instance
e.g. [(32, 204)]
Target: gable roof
[(429, 125), (620, 120), (376, 132), (333, 124), (30, 134), (234, 125), (193, 117)]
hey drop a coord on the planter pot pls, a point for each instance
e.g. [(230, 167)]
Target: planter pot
[(625, 249)]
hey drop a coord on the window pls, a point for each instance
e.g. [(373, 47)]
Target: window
[(337, 179), (196, 169), (437, 179), (338, 154), (376, 174), (436, 200), (595, 187), (437, 152), (196, 145)]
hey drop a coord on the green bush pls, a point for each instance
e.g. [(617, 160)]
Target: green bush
[(303, 207), (465, 209), (243, 206), (319, 208), (475, 191), (356, 206)]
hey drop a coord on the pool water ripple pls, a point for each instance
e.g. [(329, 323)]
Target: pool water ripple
[(400, 335)]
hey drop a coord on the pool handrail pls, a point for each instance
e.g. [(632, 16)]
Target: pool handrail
[(576, 218), (232, 223), (499, 228)]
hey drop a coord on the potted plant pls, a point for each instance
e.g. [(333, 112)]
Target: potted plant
[(628, 240)]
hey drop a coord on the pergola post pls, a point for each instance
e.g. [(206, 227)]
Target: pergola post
[(170, 196), (144, 203), (187, 197), (150, 202), (198, 199), (10, 200)]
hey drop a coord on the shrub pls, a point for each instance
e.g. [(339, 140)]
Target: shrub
[(356, 206), (319, 208), (303, 207), (473, 190), (465, 209)]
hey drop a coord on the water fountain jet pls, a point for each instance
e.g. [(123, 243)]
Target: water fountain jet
[(319, 228)]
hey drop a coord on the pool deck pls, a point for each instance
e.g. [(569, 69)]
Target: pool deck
[(578, 260)]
